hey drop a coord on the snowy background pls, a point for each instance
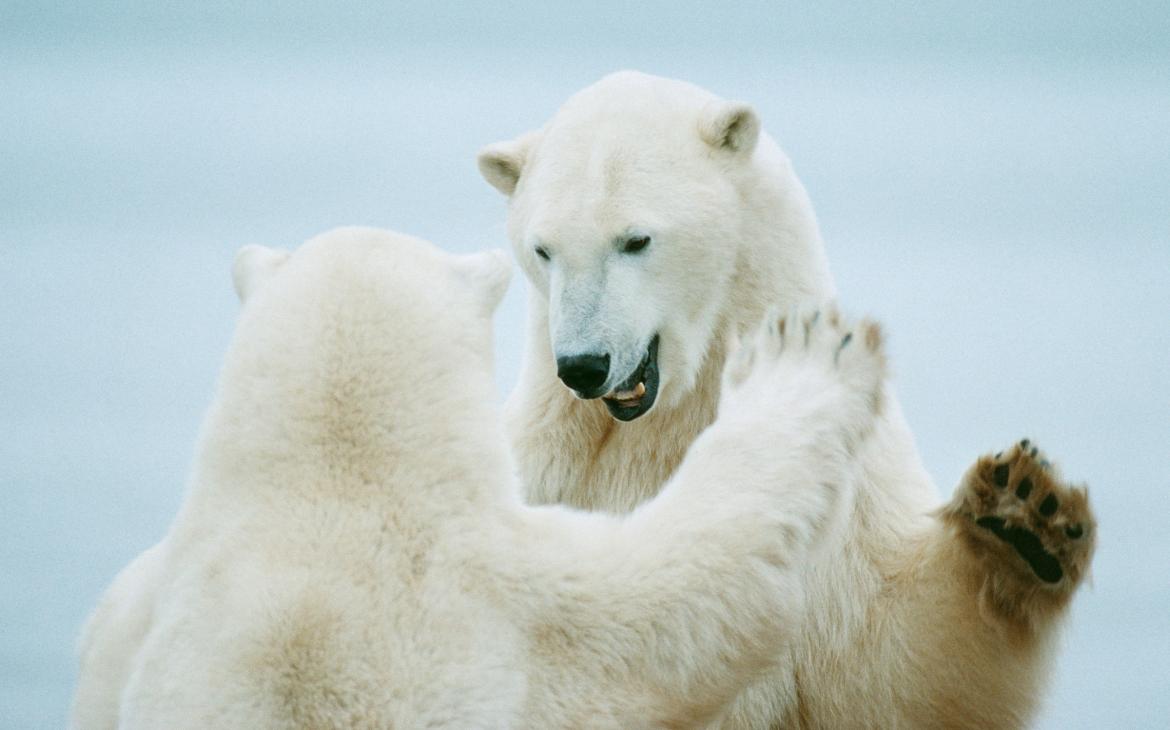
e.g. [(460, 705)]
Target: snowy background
[(993, 181)]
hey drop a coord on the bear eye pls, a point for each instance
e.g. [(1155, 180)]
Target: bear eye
[(635, 244), (541, 252)]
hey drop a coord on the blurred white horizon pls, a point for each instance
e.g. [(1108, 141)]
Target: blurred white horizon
[(993, 183)]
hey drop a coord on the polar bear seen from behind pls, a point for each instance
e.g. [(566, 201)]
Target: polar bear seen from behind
[(353, 551)]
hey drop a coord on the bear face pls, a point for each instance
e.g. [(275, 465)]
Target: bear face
[(631, 188)]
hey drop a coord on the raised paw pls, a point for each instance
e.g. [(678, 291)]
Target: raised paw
[(809, 359), (1032, 530)]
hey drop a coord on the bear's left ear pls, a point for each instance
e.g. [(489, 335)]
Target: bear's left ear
[(255, 264), (502, 163), (488, 274), (731, 126)]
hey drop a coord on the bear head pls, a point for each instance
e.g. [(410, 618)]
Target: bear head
[(356, 334), (625, 213)]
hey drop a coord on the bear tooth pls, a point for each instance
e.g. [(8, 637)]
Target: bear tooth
[(638, 391)]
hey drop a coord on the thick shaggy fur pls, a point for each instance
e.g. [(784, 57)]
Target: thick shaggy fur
[(913, 619), (354, 552)]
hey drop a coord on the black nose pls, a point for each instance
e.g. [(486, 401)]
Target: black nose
[(584, 373)]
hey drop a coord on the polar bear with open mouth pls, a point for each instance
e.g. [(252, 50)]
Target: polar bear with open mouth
[(652, 219)]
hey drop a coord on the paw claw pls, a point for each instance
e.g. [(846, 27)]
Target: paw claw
[(823, 347), (844, 343)]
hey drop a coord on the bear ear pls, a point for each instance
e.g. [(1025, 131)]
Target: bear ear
[(730, 125), (487, 274), (253, 265), (501, 163)]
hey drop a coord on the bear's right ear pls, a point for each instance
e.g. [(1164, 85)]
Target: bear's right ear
[(255, 264), (730, 126), (501, 163)]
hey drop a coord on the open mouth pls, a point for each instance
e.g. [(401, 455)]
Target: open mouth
[(634, 396)]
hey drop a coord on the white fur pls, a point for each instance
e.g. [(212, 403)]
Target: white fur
[(353, 551), (892, 635)]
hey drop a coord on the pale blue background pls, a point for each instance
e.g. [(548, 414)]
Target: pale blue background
[(993, 181)]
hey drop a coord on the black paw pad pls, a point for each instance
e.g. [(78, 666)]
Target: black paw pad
[(995, 524), (1049, 505), (1024, 488), (1043, 563), (1074, 531), (1001, 475)]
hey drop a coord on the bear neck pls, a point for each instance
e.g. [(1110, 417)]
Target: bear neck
[(572, 451), (293, 433)]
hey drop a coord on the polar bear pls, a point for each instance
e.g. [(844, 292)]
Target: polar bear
[(651, 219), (353, 550)]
